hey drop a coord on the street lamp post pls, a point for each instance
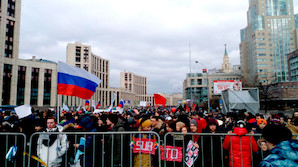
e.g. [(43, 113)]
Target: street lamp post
[(207, 83)]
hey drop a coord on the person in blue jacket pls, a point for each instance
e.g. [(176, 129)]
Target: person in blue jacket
[(283, 150)]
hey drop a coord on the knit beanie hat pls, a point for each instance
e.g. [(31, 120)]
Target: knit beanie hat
[(180, 124), (193, 121), (261, 121), (131, 121), (113, 118), (241, 124), (86, 122), (145, 123)]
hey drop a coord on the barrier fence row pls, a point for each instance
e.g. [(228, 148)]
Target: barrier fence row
[(114, 149)]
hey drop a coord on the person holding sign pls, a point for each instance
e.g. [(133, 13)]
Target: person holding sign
[(144, 145)]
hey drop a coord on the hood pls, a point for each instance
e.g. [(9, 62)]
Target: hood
[(287, 149), (240, 131)]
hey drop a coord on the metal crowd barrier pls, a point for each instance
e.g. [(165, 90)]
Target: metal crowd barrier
[(8, 142), (211, 152), (101, 149), (113, 149)]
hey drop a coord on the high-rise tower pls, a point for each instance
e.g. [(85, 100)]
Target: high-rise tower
[(266, 41)]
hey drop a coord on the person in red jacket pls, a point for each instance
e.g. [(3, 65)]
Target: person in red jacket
[(240, 146)]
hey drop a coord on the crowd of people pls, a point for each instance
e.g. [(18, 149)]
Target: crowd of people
[(236, 148)]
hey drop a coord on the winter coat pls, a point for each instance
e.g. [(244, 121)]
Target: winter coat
[(240, 147), (283, 154), (113, 145), (51, 148)]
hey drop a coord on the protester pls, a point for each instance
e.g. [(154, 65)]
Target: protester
[(87, 148), (212, 145), (162, 122), (141, 159), (51, 147), (294, 128), (115, 125), (283, 150), (240, 146)]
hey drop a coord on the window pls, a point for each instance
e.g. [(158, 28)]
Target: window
[(11, 8), (7, 70), (47, 87), (34, 86), (9, 38), (21, 85)]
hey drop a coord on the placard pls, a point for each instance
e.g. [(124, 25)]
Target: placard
[(23, 111), (145, 146), (191, 153), (172, 153)]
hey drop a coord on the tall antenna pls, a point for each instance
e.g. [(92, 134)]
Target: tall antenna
[(190, 69)]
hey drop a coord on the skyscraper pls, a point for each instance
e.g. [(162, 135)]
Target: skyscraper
[(266, 41)]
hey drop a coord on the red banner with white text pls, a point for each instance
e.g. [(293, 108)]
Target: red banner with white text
[(172, 153), (145, 146)]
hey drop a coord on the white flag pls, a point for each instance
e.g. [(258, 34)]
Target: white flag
[(64, 107), (78, 109), (93, 104), (112, 102)]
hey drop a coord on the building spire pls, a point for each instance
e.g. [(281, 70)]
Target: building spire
[(226, 49)]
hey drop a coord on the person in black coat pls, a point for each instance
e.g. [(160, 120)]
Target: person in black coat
[(212, 149)]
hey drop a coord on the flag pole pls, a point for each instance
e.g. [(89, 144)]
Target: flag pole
[(58, 112)]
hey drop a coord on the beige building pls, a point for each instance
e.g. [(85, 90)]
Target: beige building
[(80, 55), (134, 90), (266, 40), (199, 86), (31, 82)]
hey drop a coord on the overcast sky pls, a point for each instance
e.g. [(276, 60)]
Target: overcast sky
[(149, 38)]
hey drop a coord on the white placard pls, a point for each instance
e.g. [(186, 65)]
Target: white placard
[(143, 103), (23, 111)]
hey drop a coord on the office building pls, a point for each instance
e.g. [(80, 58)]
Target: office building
[(266, 40), (293, 66), (80, 55), (32, 81)]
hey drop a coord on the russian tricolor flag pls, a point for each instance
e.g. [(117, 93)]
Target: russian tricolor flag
[(74, 81), (121, 104), (98, 104), (86, 104)]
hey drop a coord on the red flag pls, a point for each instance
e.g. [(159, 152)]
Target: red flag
[(193, 106), (159, 100), (187, 108)]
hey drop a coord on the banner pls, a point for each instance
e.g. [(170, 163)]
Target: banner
[(172, 153), (145, 146), (220, 85), (191, 153)]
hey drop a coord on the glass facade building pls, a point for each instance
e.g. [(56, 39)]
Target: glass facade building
[(266, 40)]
